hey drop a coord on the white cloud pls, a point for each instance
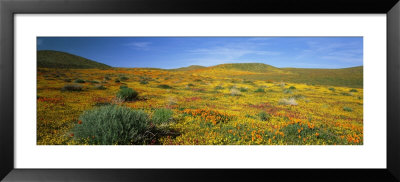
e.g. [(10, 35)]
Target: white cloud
[(139, 45), (235, 50), (209, 61), (232, 53), (342, 52), (343, 59)]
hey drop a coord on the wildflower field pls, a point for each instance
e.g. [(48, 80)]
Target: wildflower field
[(229, 104)]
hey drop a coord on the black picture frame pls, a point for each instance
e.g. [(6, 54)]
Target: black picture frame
[(9, 8)]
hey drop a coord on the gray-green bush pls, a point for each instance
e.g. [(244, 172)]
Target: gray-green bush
[(162, 115), (218, 87), (345, 94), (260, 90), (100, 87), (127, 94), (72, 87), (264, 116), (242, 89), (93, 81), (79, 81), (348, 109), (164, 86), (123, 78), (113, 125)]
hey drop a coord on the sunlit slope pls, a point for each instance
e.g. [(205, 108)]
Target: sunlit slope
[(348, 77), (239, 70), (57, 59), (250, 67), (189, 68)]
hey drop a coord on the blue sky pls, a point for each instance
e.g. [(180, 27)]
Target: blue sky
[(175, 52)]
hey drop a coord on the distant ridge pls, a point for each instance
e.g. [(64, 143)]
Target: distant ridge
[(250, 67), (58, 59), (350, 77), (190, 68)]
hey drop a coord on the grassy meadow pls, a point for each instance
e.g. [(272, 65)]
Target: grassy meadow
[(228, 104)]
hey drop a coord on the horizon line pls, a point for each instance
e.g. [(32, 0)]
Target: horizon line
[(197, 64)]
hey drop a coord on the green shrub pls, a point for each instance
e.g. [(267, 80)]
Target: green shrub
[(72, 87), (293, 131), (123, 86), (264, 116), (164, 86), (79, 81), (113, 125), (348, 109), (248, 82), (162, 115), (117, 80), (123, 78), (260, 90), (218, 87), (250, 116), (100, 87), (287, 91), (353, 90), (127, 94), (292, 88), (332, 89), (93, 81), (242, 89), (190, 85), (345, 94), (144, 80)]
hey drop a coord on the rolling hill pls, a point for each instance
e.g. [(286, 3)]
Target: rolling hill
[(57, 59), (250, 67), (349, 77), (189, 68)]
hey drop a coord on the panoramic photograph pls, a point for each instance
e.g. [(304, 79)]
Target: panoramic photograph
[(199, 91)]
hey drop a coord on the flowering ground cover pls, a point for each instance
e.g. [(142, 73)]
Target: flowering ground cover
[(230, 104)]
